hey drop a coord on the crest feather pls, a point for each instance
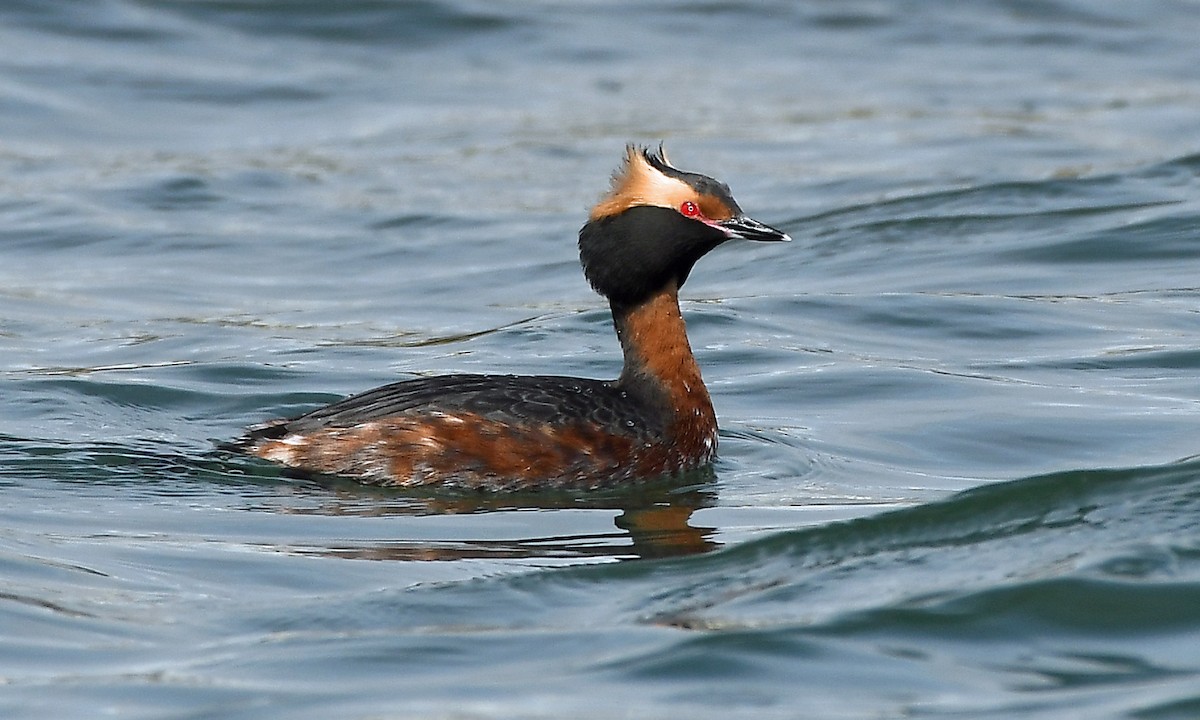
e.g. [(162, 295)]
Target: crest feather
[(645, 177)]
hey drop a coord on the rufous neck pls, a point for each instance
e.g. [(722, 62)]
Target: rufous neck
[(654, 339)]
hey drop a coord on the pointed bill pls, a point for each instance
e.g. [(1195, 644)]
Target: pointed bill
[(746, 228)]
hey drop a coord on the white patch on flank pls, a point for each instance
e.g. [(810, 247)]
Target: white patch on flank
[(284, 449)]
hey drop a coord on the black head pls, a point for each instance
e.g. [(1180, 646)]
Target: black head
[(654, 224)]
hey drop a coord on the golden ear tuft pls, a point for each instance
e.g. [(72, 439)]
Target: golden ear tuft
[(639, 182), (634, 162)]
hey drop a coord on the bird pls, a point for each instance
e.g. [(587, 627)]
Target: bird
[(496, 432)]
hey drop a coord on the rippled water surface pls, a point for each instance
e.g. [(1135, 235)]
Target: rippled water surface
[(960, 413)]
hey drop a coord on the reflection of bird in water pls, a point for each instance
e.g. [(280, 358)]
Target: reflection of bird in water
[(653, 522)]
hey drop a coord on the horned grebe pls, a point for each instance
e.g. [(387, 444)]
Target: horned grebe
[(498, 432)]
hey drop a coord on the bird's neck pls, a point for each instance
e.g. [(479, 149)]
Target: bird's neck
[(659, 359)]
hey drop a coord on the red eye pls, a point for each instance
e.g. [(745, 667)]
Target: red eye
[(689, 209)]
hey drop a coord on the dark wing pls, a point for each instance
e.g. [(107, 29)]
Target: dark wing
[(517, 399)]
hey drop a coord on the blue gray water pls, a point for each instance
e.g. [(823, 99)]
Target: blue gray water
[(960, 413)]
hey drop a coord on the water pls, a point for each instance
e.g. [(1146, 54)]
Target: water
[(959, 414)]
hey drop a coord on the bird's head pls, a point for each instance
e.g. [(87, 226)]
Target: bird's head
[(654, 223)]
